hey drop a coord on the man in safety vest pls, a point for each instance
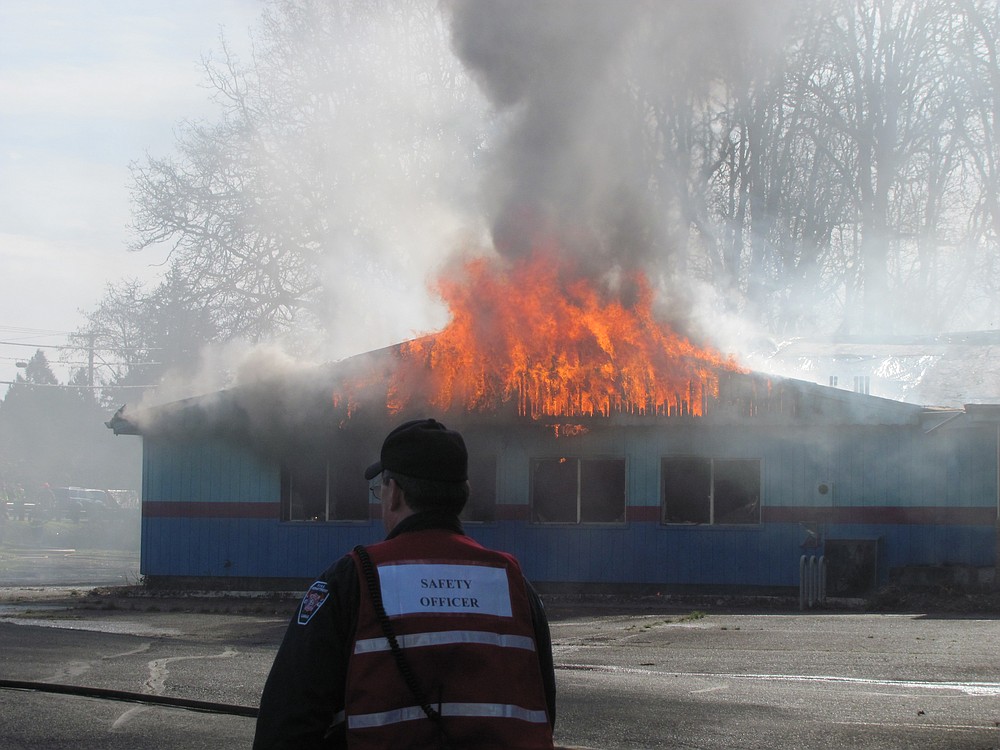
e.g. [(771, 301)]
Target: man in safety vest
[(424, 640)]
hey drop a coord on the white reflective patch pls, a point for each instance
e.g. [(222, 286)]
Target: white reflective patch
[(495, 710), (362, 721), (416, 588), (418, 640), (489, 710)]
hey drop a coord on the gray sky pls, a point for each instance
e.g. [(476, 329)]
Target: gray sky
[(87, 86)]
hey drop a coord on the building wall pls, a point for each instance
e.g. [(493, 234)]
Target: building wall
[(211, 508)]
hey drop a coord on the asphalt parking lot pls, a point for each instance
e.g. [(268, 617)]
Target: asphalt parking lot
[(643, 674)]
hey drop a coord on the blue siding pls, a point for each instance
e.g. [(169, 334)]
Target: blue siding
[(766, 556), (246, 547), (873, 467), (210, 471), (639, 553)]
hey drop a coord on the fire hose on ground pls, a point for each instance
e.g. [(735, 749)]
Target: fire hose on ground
[(130, 697), (126, 696)]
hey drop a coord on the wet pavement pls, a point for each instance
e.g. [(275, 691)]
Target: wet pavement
[(46, 566), (648, 675)]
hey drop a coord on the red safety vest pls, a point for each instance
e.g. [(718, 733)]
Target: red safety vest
[(461, 615)]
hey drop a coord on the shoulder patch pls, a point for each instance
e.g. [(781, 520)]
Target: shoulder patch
[(312, 601)]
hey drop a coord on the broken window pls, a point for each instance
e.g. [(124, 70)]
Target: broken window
[(578, 490), (710, 490)]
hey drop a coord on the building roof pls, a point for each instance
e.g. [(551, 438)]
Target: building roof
[(315, 400)]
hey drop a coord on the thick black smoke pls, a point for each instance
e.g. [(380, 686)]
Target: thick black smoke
[(565, 171), (573, 167)]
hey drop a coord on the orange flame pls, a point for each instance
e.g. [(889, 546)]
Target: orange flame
[(537, 335)]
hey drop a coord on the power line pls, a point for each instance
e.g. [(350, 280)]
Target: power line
[(83, 346), (102, 364), (41, 346), (34, 331), (61, 385), (114, 364)]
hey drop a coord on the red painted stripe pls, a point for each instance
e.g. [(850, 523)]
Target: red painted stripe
[(643, 513), (639, 514), (900, 515), (883, 514)]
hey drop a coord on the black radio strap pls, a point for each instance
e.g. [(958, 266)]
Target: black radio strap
[(375, 591)]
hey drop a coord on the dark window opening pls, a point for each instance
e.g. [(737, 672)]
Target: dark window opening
[(349, 496), (687, 490), (482, 490), (578, 490), (323, 491), (602, 491), (737, 491), (303, 495), (710, 491)]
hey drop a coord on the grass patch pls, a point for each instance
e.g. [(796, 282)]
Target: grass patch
[(696, 615), (689, 617)]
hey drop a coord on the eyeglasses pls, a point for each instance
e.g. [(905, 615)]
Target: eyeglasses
[(375, 491)]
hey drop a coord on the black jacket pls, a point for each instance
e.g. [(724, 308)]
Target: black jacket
[(305, 687)]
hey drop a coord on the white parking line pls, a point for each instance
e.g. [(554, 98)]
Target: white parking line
[(967, 688)]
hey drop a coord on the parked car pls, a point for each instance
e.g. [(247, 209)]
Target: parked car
[(79, 503), (67, 503)]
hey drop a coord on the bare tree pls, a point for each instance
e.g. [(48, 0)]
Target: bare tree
[(843, 174), (134, 336), (268, 209), (888, 97), (823, 165)]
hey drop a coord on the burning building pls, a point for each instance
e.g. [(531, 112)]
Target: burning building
[(606, 449)]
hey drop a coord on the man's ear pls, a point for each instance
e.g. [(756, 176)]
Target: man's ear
[(396, 498)]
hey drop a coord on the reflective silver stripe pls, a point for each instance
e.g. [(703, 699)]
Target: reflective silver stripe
[(495, 710), (410, 713), (338, 718), (370, 645), (365, 721)]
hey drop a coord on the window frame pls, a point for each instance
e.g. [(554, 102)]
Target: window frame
[(535, 461), (714, 479), (287, 483)]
